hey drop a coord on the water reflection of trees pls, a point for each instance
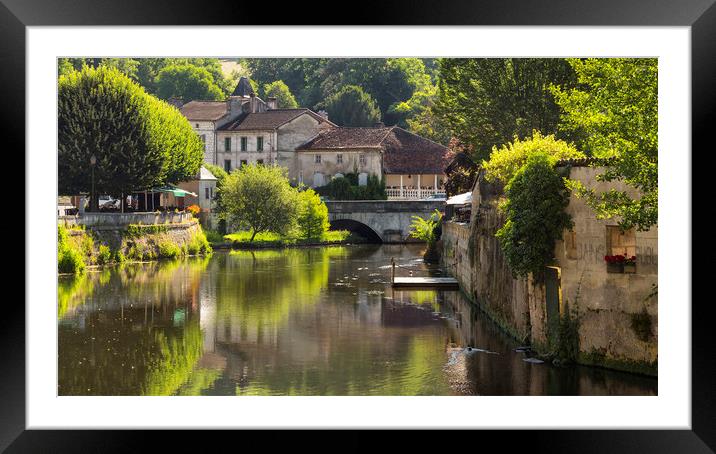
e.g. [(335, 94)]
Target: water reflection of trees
[(134, 330)]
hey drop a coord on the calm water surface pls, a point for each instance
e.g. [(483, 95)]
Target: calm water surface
[(316, 321)]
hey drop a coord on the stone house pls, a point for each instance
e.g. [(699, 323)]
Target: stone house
[(204, 186), (616, 310), (413, 166)]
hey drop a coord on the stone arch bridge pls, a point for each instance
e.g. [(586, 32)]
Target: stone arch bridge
[(384, 221)]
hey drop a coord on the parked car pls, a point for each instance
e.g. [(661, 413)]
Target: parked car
[(438, 196), (108, 203)]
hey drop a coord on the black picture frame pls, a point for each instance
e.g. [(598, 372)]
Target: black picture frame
[(700, 15)]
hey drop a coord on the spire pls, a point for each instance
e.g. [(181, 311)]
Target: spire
[(243, 88)]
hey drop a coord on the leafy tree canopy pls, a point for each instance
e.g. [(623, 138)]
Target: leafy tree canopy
[(486, 102), (260, 197), (614, 110), (187, 82), (138, 141), (283, 95), (505, 161), (351, 106), (312, 220)]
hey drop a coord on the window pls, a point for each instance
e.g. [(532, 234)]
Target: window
[(361, 159), (244, 162), (570, 244), (206, 193), (244, 143), (318, 159), (620, 243), (259, 144), (197, 125), (339, 159), (227, 144), (227, 165), (203, 140), (259, 161)]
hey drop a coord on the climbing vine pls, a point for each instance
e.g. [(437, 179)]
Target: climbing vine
[(536, 217)]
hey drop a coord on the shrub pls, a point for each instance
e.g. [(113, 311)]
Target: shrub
[(105, 255), (536, 199), (119, 256), (312, 215), (426, 229), (168, 249), (507, 160), (347, 188), (214, 237), (70, 261), (198, 244)]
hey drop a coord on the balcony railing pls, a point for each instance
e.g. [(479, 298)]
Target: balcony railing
[(411, 194)]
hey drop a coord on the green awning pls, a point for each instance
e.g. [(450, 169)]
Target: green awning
[(178, 192)]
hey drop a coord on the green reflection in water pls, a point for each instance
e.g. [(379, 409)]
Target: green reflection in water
[(128, 342)]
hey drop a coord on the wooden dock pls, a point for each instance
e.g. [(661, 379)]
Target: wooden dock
[(426, 282)]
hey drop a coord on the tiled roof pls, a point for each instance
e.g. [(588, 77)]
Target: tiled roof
[(403, 151), (342, 138), (270, 119), (204, 110)]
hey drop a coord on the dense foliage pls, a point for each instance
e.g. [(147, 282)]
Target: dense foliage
[(486, 102), (462, 171), (145, 71), (283, 95), (187, 82), (312, 220), (426, 229), (351, 106), (506, 160), (259, 198), (137, 140), (614, 110), (536, 217), (347, 188)]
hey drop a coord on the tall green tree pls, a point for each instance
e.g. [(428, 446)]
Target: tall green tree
[(487, 102), (614, 110), (312, 220), (279, 90), (137, 140), (351, 106), (187, 82), (260, 198)]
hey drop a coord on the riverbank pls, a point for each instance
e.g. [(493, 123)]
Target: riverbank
[(268, 240), (80, 247)]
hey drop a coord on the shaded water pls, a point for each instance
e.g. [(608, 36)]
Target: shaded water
[(314, 321)]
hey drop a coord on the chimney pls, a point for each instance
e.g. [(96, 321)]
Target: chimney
[(271, 102), (234, 105), (253, 103), (323, 113)]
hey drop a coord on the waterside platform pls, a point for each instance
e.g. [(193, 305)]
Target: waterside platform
[(426, 282)]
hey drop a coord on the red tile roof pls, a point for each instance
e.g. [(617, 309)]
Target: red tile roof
[(204, 110), (403, 151), (270, 119)]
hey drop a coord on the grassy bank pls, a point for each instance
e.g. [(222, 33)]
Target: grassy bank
[(79, 248), (242, 240)]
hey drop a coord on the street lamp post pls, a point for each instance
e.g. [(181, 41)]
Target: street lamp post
[(93, 161)]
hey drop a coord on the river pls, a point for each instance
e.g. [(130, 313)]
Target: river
[(305, 321)]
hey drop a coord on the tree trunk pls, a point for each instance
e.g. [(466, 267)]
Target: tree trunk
[(253, 235)]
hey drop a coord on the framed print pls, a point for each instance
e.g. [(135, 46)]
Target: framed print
[(443, 220)]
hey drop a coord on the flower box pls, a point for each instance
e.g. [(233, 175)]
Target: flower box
[(615, 267), (630, 268)]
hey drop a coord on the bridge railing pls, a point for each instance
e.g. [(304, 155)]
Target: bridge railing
[(411, 194)]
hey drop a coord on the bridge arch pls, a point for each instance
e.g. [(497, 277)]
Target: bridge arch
[(357, 227)]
